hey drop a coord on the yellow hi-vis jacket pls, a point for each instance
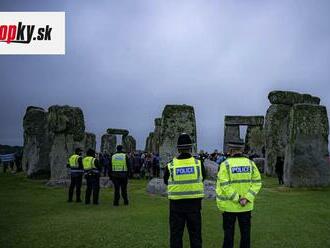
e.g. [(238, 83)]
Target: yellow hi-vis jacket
[(237, 177), (89, 164), (118, 162), (73, 161), (186, 180)]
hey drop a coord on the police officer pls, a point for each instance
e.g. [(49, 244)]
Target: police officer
[(76, 171), (92, 174), (184, 177), (238, 184), (118, 173)]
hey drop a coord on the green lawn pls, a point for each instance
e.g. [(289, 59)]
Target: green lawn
[(33, 215)]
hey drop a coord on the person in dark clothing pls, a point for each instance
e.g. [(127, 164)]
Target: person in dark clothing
[(279, 169), (185, 203), (118, 172), (92, 170), (155, 165), (76, 171), (18, 161)]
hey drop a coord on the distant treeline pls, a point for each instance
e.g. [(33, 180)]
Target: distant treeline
[(5, 149)]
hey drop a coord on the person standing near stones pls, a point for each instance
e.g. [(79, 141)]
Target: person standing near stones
[(238, 184), (76, 171), (118, 173), (92, 170), (279, 169), (184, 177)]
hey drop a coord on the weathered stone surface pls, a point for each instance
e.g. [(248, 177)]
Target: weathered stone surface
[(231, 134), (244, 120), (104, 182), (260, 163), (117, 131), (36, 149), (291, 98), (232, 131), (156, 186), (153, 140), (66, 120), (211, 169), (89, 142), (176, 119), (108, 143), (250, 146), (129, 144), (306, 157), (67, 129), (148, 143), (276, 135)]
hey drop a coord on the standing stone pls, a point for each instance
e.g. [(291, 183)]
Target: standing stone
[(148, 143), (66, 128), (211, 169), (306, 161), (108, 143), (156, 138), (176, 119), (35, 159), (276, 135), (232, 134), (129, 144), (89, 142)]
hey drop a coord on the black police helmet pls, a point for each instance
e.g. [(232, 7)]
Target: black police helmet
[(184, 141), (119, 148)]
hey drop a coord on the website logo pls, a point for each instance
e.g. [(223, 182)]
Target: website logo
[(32, 32)]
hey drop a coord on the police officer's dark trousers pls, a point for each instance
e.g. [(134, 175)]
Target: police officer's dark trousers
[(120, 184), (244, 221), (76, 181), (93, 186), (178, 220)]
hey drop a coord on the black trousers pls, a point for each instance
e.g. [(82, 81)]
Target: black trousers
[(120, 184), (244, 221), (76, 181), (178, 220), (93, 185), (280, 178)]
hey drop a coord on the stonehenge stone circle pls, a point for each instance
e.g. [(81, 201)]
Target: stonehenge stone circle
[(277, 124), (232, 131), (306, 155), (297, 129), (129, 144), (108, 143), (36, 149), (152, 142), (276, 135), (176, 119), (67, 129), (51, 137)]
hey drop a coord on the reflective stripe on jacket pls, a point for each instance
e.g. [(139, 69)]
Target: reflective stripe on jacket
[(89, 164), (118, 162), (237, 177), (73, 161), (186, 180)]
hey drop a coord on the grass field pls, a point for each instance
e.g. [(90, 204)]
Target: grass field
[(33, 215)]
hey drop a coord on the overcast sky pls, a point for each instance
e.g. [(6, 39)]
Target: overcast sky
[(125, 60)]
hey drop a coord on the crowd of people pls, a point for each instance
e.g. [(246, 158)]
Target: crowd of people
[(143, 165)]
